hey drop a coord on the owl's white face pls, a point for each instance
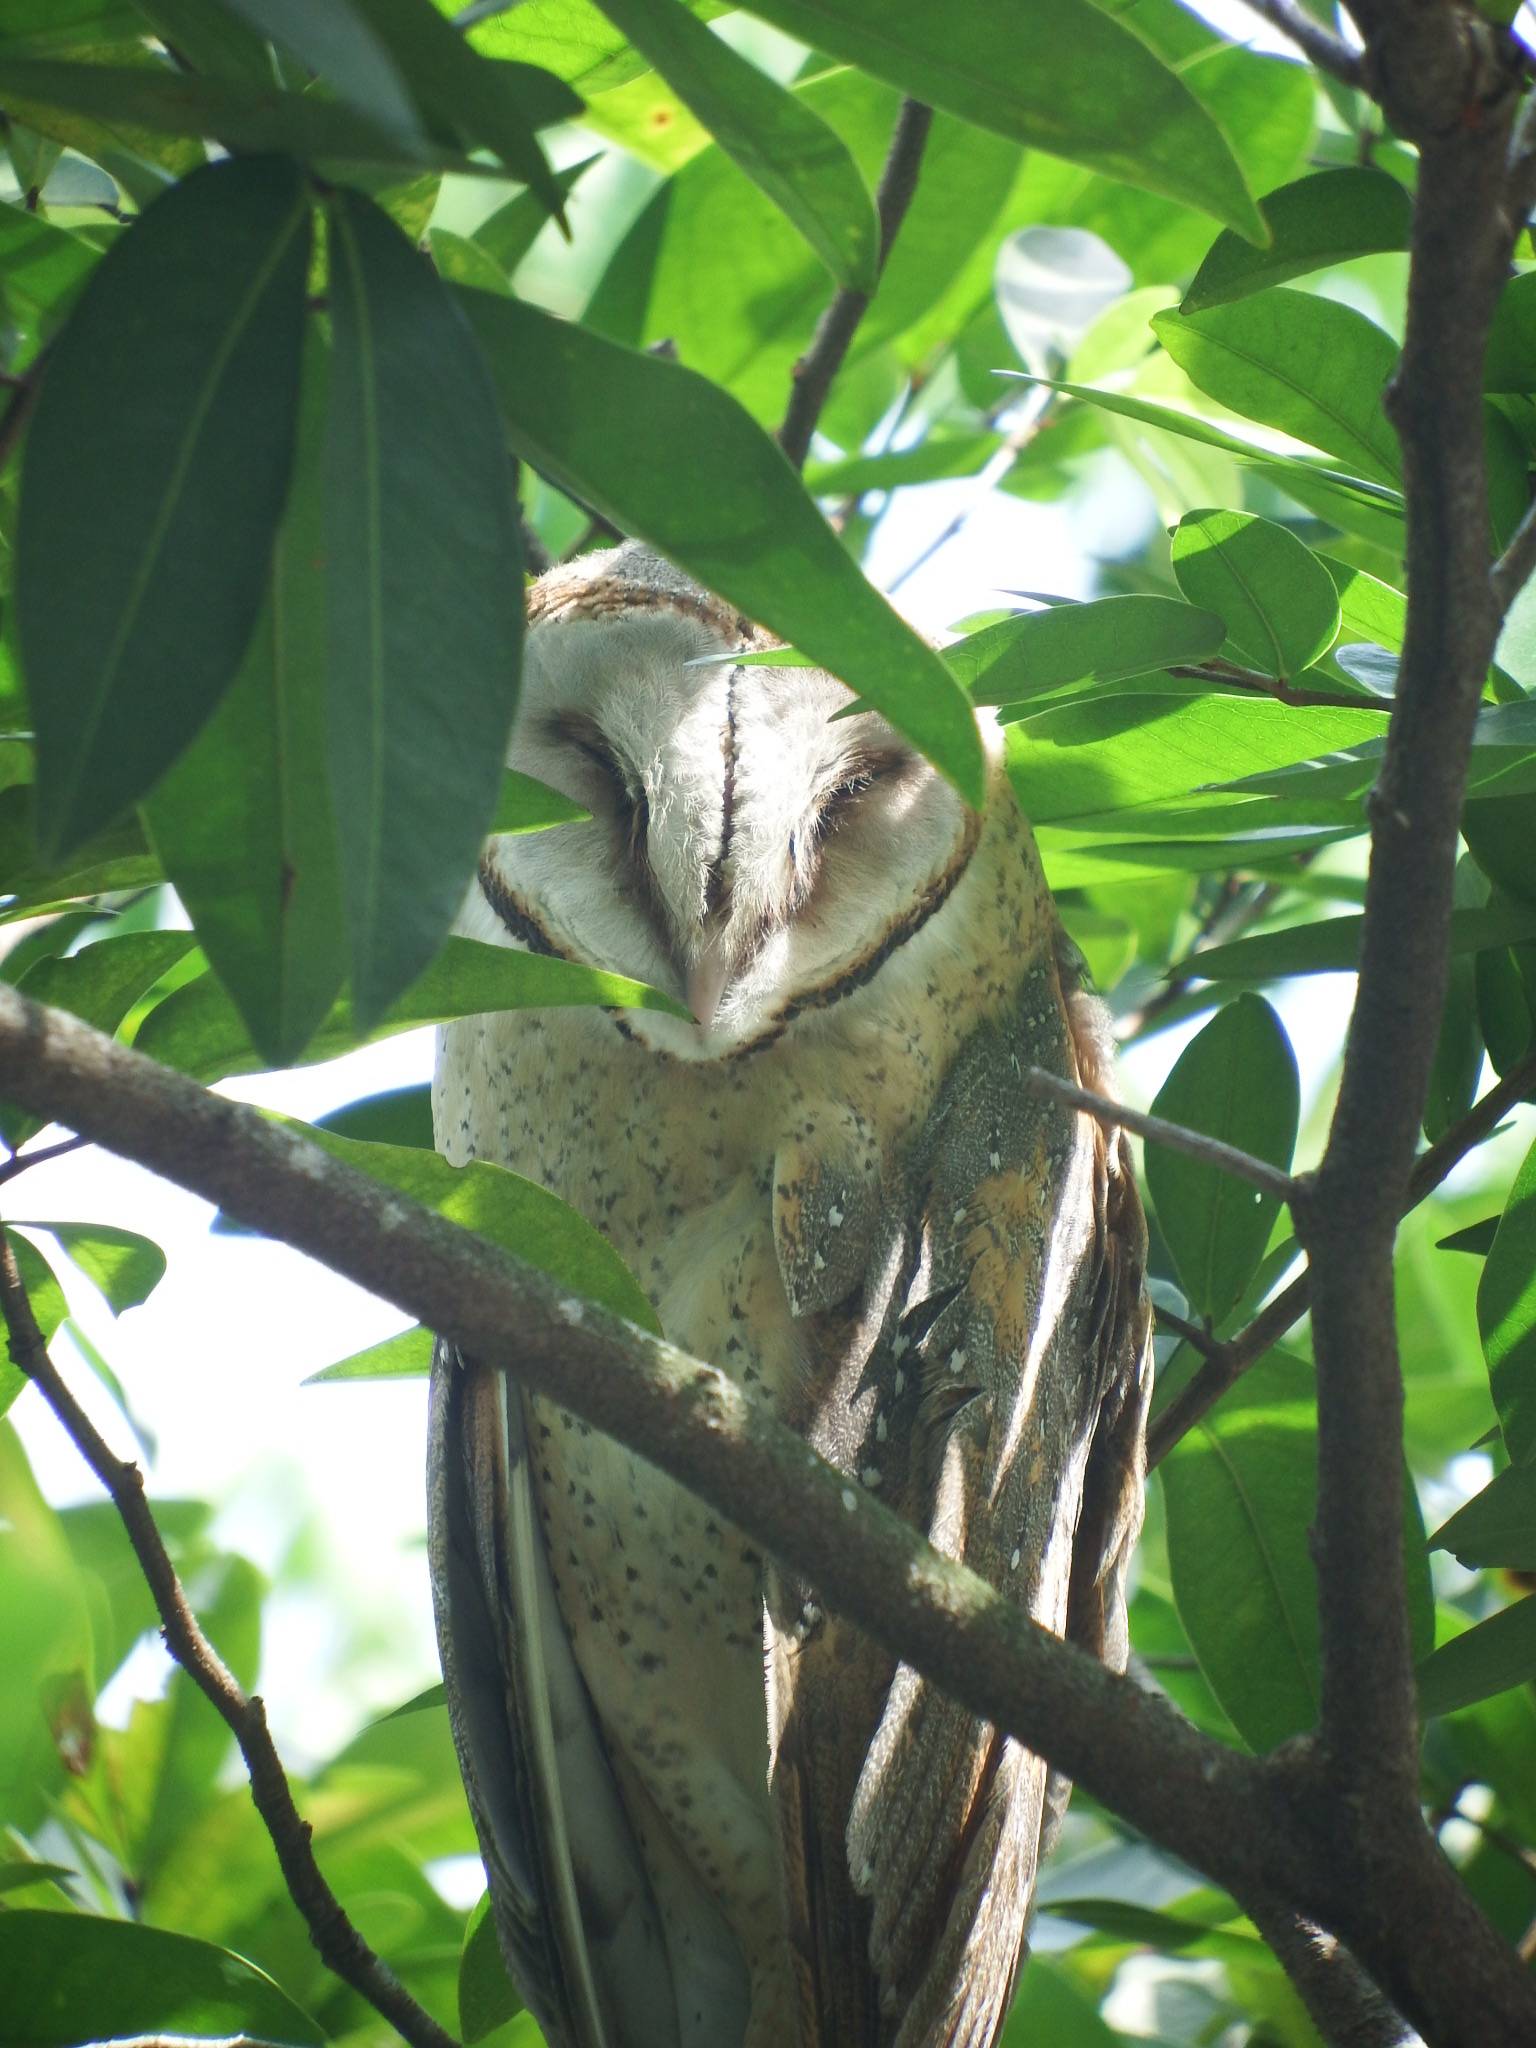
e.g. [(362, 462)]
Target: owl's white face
[(746, 852)]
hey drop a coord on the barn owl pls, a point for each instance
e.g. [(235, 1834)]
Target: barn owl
[(713, 1814)]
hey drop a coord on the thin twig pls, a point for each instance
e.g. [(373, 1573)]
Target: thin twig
[(1313, 40), (20, 1161), (1512, 571), (814, 372), (1177, 1137), (340, 1945), (1226, 1362), (1226, 674), (1189, 1333)]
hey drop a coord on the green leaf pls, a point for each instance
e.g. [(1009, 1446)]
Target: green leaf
[(1506, 1316), (1503, 763), (198, 1030), (1488, 1659), (1309, 366), (782, 145), (1050, 2007), (1324, 218), (1105, 639), (1298, 474), (509, 233), (43, 266), (527, 805), (1105, 753), (398, 1116), (46, 1724), (486, 1996), (1498, 1525), (1510, 364), (156, 467), (1237, 1081), (408, 1356), (240, 114), (1332, 945), (1477, 1238), (125, 1266), (482, 100), (423, 586), (337, 43), (1278, 602), (519, 1215), (675, 461), (80, 1977), (1241, 1494), (243, 822), (932, 460), (48, 1306), (1069, 79)]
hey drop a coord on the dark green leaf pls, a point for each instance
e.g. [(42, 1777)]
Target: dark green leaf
[(1503, 762), (1506, 1315), (337, 43), (519, 1215), (509, 233), (1169, 1933), (400, 1116), (423, 587), (102, 983), (197, 1029), (78, 1977), (1277, 600), (1072, 81), (45, 1703), (782, 145), (1324, 218), (1510, 364), (1498, 1525), (1309, 366), (1332, 946), (482, 100), (240, 114), (1488, 1659), (1051, 2007), (673, 460), (937, 457), (243, 821), (408, 1356), (1237, 1081), (1106, 639), (19, 1877), (155, 471), (209, 39), (43, 25), (1477, 1237), (486, 1997)]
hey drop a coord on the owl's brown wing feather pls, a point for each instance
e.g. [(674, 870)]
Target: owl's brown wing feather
[(992, 1385), (574, 1914)]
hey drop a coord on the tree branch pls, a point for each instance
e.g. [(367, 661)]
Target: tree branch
[(340, 1945), (1226, 1361), (1228, 674), (1258, 1826), (1346, 2007), (20, 1161), (1313, 40), (814, 372), (1177, 1137)]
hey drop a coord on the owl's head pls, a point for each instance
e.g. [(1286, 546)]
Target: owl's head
[(748, 850)]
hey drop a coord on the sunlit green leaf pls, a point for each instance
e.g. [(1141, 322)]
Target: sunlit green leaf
[(156, 466), (486, 1996), (1277, 600), (1072, 81), (1332, 945), (1108, 638), (1324, 218), (423, 590), (781, 144), (408, 1356), (126, 1266), (1309, 366)]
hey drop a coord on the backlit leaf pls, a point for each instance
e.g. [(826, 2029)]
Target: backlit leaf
[(1324, 218), (1278, 601), (1506, 1315)]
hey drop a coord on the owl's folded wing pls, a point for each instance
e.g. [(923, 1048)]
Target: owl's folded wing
[(574, 1913)]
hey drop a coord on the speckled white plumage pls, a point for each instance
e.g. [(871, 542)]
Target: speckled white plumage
[(797, 1178)]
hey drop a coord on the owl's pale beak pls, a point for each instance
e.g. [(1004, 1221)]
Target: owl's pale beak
[(706, 982)]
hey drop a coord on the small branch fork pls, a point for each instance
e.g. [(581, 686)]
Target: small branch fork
[(338, 1941), (835, 330)]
